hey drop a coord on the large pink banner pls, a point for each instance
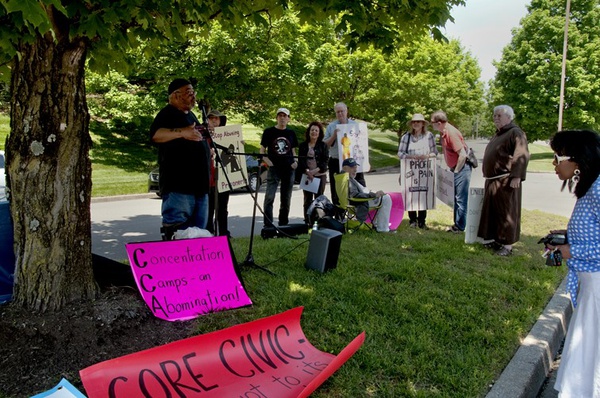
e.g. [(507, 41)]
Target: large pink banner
[(182, 279), (269, 357)]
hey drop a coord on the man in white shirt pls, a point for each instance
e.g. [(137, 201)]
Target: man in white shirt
[(341, 114)]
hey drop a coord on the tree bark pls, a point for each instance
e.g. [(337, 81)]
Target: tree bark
[(49, 172)]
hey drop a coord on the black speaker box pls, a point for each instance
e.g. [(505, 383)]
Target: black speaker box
[(284, 231), (323, 250)]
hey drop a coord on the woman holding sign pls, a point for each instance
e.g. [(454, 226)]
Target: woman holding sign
[(312, 161), (417, 143)]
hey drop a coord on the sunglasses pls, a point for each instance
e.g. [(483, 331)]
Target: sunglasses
[(558, 159)]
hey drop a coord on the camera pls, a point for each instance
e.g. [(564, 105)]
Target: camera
[(553, 256)]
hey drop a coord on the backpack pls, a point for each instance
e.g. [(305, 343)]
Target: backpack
[(329, 222), (472, 159)]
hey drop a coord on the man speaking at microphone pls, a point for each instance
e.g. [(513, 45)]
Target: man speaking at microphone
[(183, 161)]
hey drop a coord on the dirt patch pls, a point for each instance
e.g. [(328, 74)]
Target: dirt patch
[(37, 350)]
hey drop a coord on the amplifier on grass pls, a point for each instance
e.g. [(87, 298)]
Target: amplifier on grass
[(323, 250)]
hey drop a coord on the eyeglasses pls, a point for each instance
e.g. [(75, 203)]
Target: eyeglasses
[(189, 91), (558, 159)]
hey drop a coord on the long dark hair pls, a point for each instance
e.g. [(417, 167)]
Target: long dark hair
[(583, 146), (321, 131)]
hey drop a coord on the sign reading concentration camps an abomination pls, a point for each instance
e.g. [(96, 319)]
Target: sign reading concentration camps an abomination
[(266, 358), (417, 183), (181, 279)]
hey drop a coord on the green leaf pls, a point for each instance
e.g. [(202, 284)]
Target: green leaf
[(32, 11)]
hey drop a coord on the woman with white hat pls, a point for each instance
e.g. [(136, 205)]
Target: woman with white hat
[(417, 143)]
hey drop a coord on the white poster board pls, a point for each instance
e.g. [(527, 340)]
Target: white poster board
[(473, 215), (417, 183), (231, 138), (445, 186), (353, 142)]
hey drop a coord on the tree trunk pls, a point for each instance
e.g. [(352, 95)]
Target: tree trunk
[(49, 173)]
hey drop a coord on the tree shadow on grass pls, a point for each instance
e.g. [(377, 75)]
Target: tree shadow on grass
[(542, 156), (124, 145)]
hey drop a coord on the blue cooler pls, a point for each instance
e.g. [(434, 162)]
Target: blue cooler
[(7, 254)]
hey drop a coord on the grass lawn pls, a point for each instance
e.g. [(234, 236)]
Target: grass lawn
[(442, 318)]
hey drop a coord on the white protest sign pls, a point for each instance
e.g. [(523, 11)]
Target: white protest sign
[(353, 142), (417, 183), (445, 186), (234, 166), (473, 214)]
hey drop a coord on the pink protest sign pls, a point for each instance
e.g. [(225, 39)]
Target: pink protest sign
[(269, 357), (182, 279), (396, 213)]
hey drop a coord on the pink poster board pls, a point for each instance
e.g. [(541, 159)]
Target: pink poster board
[(182, 279), (396, 213), (269, 357)]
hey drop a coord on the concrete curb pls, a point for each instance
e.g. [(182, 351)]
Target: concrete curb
[(115, 198), (528, 369)]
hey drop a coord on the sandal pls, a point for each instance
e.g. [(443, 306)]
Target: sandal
[(454, 229), (504, 252), (493, 245)]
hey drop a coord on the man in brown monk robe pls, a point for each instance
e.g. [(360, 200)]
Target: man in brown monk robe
[(504, 169)]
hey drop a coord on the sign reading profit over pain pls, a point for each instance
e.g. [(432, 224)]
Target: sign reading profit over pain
[(182, 279), (417, 183), (269, 358)]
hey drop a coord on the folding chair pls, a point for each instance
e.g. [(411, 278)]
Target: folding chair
[(347, 205)]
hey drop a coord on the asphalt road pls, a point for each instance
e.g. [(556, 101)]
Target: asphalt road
[(117, 221)]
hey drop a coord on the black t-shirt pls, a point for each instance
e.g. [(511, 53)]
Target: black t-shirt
[(184, 165), (279, 144)]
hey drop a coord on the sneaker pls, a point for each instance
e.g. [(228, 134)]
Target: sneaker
[(413, 224), (423, 226), (454, 229)]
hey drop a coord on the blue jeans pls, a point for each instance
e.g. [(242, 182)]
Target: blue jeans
[(190, 210), (286, 177), (462, 180)]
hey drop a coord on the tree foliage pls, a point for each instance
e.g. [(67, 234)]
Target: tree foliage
[(307, 68), (529, 72)]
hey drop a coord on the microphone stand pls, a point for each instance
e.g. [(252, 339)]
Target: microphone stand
[(249, 260), (219, 162)]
